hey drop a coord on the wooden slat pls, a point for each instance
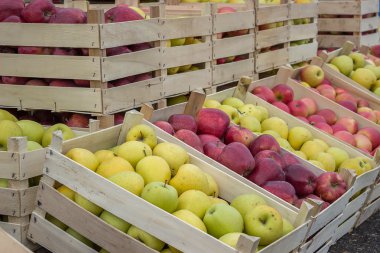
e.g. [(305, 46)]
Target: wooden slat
[(9, 164), (368, 212), (368, 24), (271, 37), (12, 199), (31, 163), (339, 24), (375, 193), (227, 21), (233, 71), (50, 66), (228, 46), (300, 32), (303, 52), (346, 227), (271, 60), (190, 54), (270, 14), (369, 6), (186, 27), (119, 66), (339, 7), (10, 244), (49, 35), (309, 10), (27, 199), (355, 205)]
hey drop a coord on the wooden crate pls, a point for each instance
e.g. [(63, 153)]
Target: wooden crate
[(138, 212), (353, 20), (9, 244), (303, 32), (272, 44)]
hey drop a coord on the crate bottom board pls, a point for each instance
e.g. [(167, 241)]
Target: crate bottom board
[(19, 232), (336, 41)]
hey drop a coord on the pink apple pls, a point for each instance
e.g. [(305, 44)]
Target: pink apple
[(13, 19), (298, 108), (326, 81), (62, 83), (324, 127), (265, 93), (338, 127), (14, 80), (38, 11), (303, 119), (206, 138), (362, 103), (119, 118), (369, 115), (346, 97), (377, 113), (238, 134), (339, 91), (330, 186), (264, 142), (313, 75), (283, 93), (329, 116), (314, 119), (236, 156), (282, 106), (346, 137), (266, 170), (302, 179), (36, 82), (282, 189), (190, 138), (212, 121), (327, 91), (311, 105), (121, 13), (82, 83), (349, 105), (164, 125), (269, 154), (183, 121), (350, 124), (372, 134), (213, 149), (363, 143)]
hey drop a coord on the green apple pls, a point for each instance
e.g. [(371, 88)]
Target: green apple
[(195, 201), (322, 143), (300, 154), (67, 133), (234, 102), (311, 148), (129, 180), (374, 69), (211, 103), (190, 177), (112, 166), (251, 123), (184, 68), (79, 237), (56, 222), (272, 133), (133, 151), (221, 219), (154, 169), (265, 222), (143, 133), (232, 112), (177, 42), (364, 77), (88, 205), (176, 100), (32, 130), (326, 159), (339, 155), (231, 239), (8, 129), (357, 164), (215, 201), (344, 63), (317, 164), (245, 202), (3, 183), (264, 112), (358, 59), (103, 155), (252, 110), (147, 239), (173, 154), (161, 195), (83, 157), (284, 144), (7, 115), (173, 70), (32, 145), (115, 221), (167, 251), (377, 91), (287, 227), (213, 189), (333, 67), (276, 124), (298, 136), (114, 149)]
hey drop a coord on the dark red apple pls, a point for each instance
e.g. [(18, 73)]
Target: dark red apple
[(121, 13), (288, 159), (62, 83), (36, 82), (64, 51), (122, 81), (237, 157), (282, 189), (119, 118), (38, 11), (32, 50), (10, 8), (164, 125), (283, 93), (270, 154), (238, 134), (212, 121), (190, 138), (266, 170), (12, 19), (82, 83), (117, 50), (14, 80), (206, 138), (142, 77), (330, 186), (213, 149), (303, 179), (139, 47), (264, 142), (298, 108), (68, 16), (183, 121)]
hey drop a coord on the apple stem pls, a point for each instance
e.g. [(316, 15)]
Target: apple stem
[(166, 183)]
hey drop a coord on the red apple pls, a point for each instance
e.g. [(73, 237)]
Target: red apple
[(183, 121), (213, 149), (288, 159), (12, 19), (302, 179), (298, 108), (282, 106), (238, 134), (313, 75), (264, 142), (346, 137), (283, 93), (338, 127), (350, 124), (303, 119), (164, 125), (265, 93), (142, 77), (117, 50), (339, 91), (78, 120), (282, 189), (236, 156), (121, 13), (363, 143), (190, 138), (330, 186), (346, 97), (270, 154), (10, 8), (329, 116), (68, 16), (314, 119), (324, 127), (38, 11), (206, 138), (119, 118), (62, 83), (122, 81), (369, 115), (325, 204), (212, 121), (311, 105), (36, 82), (82, 83), (139, 47), (14, 80), (372, 134), (326, 81), (266, 170), (32, 50), (349, 105), (64, 51), (327, 91)]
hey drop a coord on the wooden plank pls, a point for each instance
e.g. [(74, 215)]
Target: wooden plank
[(339, 25), (9, 164), (369, 6), (10, 244), (11, 202), (346, 227), (335, 41), (368, 212), (271, 37), (50, 98), (131, 32), (375, 193), (339, 7), (53, 238), (270, 14), (31, 164), (227, 47), (50, 66), (355, 205), (369, 39), (227, 21), (186, 82), (190, 54), (186, 27), (49, 35), (27, 200), (300, 32), (119, 66), (303, 52), (271, 60), (232, 71), (309, 10), (368, 24)]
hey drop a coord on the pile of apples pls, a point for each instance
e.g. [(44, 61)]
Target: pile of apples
[(161, 173), (44, 11), (359, 70), (346, 129), (260, 159)]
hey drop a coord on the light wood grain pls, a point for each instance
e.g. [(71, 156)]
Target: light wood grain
[(232, 71), (10, 244), (189, 54), (233, 46), (227, 21)]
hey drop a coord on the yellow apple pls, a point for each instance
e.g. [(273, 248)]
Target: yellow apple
[(173, 70), (287, 227), (251, 123), (189, 177), (138, 10), (358, 164), (212, 186), (190, 218), (326, 159), (177, 42), (32, 130), (103, 155), (264, 112), (232, 112), (231, 239), (143, 133), (234, 102), (153, 169), (133, 151), (276, 124), (250, 109), (333, 67), (79, 237), (364, 77), (56, 222), (298, 136), (7, 115), (339, 155), (83, 157), (195, 201), (284, 144), (115, 221), (8, 129), (211, 103), (129, 180), (305, 84), (112, 166), (317, 164), (311, 148), (323, 144), (64, 190), (300, 154), (273, 133), (173, 154), (215, 201), (88, 205)]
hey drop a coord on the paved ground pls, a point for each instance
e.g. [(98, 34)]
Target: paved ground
[(364, 239)]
